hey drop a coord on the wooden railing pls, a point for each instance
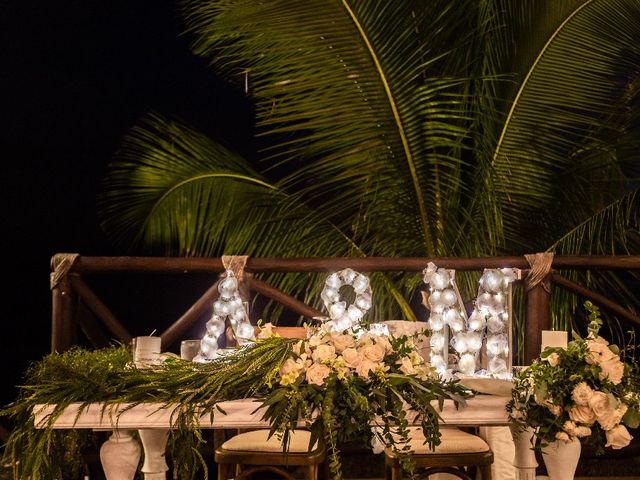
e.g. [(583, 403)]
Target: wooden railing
[(68, 287)]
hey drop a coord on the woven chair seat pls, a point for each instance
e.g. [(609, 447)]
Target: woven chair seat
[(259, 441)]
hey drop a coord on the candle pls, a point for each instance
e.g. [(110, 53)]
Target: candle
[(552, 338), (146, 351)]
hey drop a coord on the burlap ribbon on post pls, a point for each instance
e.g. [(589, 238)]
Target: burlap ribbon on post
[(61, 263), (540, 264)]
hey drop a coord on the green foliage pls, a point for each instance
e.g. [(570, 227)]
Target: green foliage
[(404, 128)]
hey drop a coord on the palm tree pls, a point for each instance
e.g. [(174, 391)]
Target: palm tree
[(398, 128)]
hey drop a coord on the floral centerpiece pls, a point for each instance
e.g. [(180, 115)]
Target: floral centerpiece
[(357, 385), (584, 391)]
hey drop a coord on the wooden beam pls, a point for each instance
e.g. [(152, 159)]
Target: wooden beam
[(596, 298), (538, 319), (288, 301), (99, 309)]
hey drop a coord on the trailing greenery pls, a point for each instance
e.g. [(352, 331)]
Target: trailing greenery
[(339, 410), (107, 375)]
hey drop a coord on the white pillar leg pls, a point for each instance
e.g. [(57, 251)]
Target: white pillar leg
[(120, 456), (154, 442), (525, 458)]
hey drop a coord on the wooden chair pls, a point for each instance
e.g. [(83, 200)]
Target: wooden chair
[(459, 454), (250, 452)]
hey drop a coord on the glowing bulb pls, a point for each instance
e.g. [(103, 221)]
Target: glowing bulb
[(435, 322), (436, 341), (435, 299), (215, 326), (474, 341), (330, 295), (354, 313), (449, 297), (221, 308), (440, 280), (467, 364), (497, 365), (363, 302), (437, 361), (491, 281), (459, 343), (337, 310), (477, 320), (333, 281), (495, 324), (360, 283), (348, 275)]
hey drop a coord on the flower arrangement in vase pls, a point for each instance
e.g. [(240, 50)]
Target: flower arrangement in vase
[(583, 392)]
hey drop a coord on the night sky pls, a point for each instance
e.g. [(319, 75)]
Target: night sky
[(75, 76)]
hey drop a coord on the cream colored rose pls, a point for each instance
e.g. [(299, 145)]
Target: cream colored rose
[(583, 431), (611, 369), (323, 353), (599, 403), (373, 352), (598, 351), (581, 394), (364, 367), (317, 373), (582, 414), (562, 436), (618, 437), (385, 343), (288, 366), (553, 359), (352, 357), (406, 366), (341, 341), (612, 417)]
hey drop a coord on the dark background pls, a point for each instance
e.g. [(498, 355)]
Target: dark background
[(75, 76)]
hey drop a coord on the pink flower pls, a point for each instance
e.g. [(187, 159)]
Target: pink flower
[(618, 437), (317, 373)]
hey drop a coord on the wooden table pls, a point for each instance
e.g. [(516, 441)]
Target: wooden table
[(153, 424)]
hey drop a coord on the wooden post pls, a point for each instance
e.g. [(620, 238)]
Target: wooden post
[(538, 319), (62, 325)]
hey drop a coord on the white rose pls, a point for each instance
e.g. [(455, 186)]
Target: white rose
[(289, 372), (352, 357), (582, 414), (618, 437), (317, 373), (613, 369), (373, 352), (553, 359), (581, 394), (288, 366), (562, 436), (341, 341), (324, 353)]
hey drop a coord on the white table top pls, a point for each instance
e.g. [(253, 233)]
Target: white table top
[(480, 410)]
